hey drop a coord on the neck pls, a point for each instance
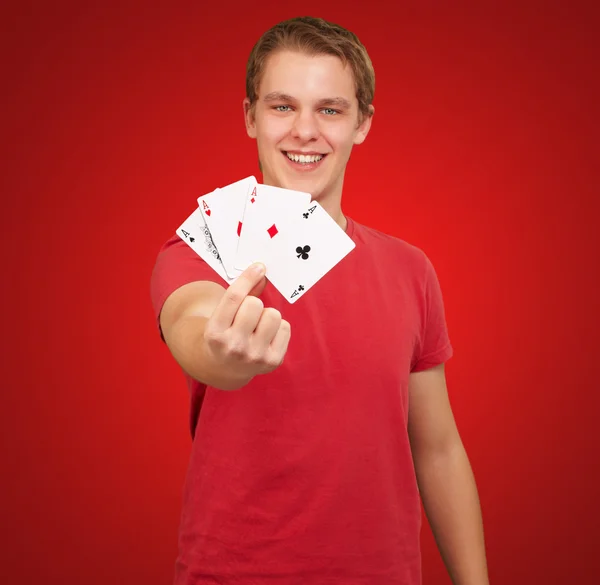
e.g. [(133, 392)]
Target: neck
[(333, 208), (331, 202)]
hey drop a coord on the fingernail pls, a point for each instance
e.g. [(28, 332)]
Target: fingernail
[(259, 268)]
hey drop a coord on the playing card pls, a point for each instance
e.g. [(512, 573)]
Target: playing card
[(311, 246), (268, 212), (196, 235), (223, 212)]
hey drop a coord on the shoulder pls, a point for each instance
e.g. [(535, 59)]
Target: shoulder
[(390, 247), (176, 265), (175, 257)]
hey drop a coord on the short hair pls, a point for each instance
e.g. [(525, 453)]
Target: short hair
[(313, 36)]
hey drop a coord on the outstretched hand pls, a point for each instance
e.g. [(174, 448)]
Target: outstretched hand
[(244, 336)]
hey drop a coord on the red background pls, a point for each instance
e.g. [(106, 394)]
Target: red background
[(483, 152)]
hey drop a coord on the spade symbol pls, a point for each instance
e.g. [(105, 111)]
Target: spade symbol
[(303, 252), (192, 239)]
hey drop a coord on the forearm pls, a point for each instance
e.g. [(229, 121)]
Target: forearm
[(451, 503), (187, 345)]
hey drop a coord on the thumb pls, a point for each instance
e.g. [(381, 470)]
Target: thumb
[(260, 285)]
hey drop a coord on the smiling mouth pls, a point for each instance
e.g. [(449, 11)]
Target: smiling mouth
[(305, 159)]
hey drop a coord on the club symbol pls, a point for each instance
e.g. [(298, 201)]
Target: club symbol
[(305, 215), (303, 252), (300, 288)]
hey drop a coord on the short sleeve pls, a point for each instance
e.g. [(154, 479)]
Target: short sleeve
[(177, 264), (434, 347)]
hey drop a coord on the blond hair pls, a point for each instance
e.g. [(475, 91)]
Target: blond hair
[(313, 36)]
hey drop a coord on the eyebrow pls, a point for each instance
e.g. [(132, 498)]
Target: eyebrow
[(277, 96)]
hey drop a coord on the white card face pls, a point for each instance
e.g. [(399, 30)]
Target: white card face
[(196, 235), (310, 248), (223, 211), (268, 213)]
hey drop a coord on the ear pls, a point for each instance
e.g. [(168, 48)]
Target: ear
[(249, 118), (364, 126)]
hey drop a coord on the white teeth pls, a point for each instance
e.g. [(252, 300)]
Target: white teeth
[(304, 158)]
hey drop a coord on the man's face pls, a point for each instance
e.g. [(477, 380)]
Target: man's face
[(306, 121)]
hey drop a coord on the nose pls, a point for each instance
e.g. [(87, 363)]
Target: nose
[(305, 126)]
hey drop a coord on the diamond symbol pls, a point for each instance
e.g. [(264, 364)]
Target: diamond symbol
[(273, 231), (252, 200)]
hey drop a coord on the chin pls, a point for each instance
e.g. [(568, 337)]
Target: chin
[(307, 185), (285, 180)]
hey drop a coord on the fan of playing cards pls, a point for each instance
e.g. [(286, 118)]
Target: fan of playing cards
[(246, 222)]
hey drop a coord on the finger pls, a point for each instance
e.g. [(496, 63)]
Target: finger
[(235, 294), (266, 330), (280, 343), (247, 318)]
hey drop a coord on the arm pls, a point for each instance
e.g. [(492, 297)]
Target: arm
[(224, 337), (183, 321), (445, 479)]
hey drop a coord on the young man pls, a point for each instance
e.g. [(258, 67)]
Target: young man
[(318, 426)]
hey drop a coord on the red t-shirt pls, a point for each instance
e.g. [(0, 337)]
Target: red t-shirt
[(305, 476)]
